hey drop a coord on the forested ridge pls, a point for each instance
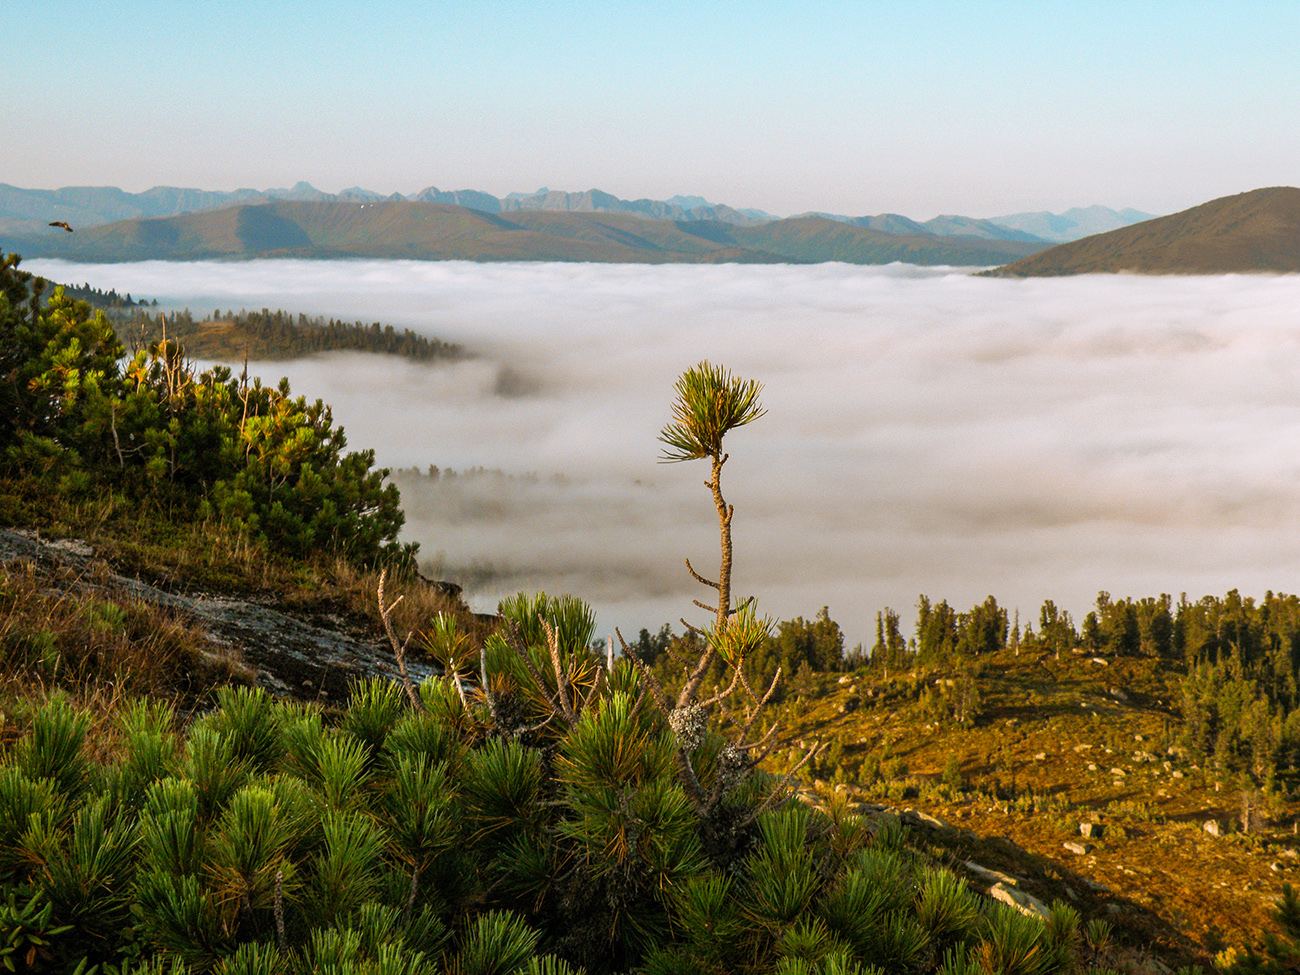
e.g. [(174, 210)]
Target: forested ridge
[(278, 334)]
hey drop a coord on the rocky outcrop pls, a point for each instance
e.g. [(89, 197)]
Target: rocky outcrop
[(288, 651)]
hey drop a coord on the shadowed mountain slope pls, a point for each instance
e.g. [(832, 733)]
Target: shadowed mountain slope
[(1249, 232), (440, 231), (822, 239)]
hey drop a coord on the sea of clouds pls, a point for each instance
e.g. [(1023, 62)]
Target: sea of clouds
[(927, 431)]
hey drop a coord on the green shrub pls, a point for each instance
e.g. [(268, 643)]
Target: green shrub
[(394, 838)]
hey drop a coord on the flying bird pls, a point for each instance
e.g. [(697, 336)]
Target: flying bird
[(60, 223)]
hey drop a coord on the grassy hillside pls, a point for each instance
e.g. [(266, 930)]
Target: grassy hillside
[(436, 231), (1257, 231), (1059, 742)]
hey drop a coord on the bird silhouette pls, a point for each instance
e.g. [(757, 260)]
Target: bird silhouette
[(60, 223)]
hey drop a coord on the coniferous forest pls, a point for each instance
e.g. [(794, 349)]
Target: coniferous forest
[(278, 334), (537, 804)]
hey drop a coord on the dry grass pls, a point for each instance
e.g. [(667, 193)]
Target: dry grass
[(421, 602), (73, 628), (59, 632), (1039, 762)]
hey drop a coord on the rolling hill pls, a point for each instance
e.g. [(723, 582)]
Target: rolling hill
[(1258, 231), (442, 231)]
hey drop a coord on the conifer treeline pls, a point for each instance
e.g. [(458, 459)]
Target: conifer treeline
[(1239, 699), (107, 301), (280, 334)]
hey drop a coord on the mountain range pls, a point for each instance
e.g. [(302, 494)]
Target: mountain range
[(423, 230), (27, 211), (1254, 231)]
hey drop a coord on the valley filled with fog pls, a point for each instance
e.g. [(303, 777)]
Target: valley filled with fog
[(927, 431)]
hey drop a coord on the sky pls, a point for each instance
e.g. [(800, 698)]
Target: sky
[(920, 108)]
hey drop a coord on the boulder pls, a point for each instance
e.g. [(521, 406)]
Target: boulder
[(1079, 849), (914, 817), (1092, 831), (992, 876), (1212, 827), (1022, 902)]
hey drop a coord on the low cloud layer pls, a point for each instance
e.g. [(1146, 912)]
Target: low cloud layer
[(927, 431)]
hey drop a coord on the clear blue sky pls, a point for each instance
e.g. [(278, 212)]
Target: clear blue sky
[(920, 108)]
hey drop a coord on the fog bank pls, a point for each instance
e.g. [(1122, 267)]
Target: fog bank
[(927, 431)]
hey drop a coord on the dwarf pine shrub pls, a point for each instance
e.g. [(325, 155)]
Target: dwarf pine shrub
[(437, 833)]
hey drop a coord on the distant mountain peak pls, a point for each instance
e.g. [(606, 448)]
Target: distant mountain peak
[(688, 202), (1074, 224)]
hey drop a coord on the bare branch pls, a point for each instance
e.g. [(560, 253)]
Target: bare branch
[(541, 724), (767, 737), (719, 695), (452, 665), (778, 794), (677, 657), (511, 637), (627, 651), (406, 677), (690, 627), (758, 708), (749, 689), (596, 687), (699, 578), (399, 649), (691, 783), (652, 682), (727, 713)]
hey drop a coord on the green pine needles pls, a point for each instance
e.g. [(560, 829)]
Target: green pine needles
[(77, 413), (710, 404), (270, 836)]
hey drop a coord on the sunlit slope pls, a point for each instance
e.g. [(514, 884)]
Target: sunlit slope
[(435, 231), (1250, 232)]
